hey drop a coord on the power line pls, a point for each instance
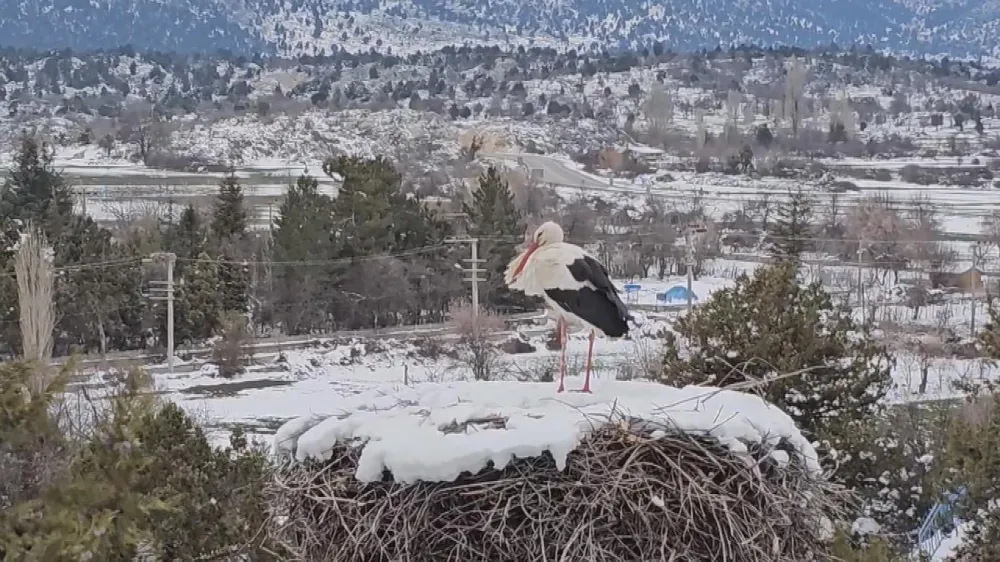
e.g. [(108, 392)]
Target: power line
[(623, 237), (337, 261), (88, 265)]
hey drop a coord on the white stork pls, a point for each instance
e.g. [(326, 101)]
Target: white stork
[(575, 287)]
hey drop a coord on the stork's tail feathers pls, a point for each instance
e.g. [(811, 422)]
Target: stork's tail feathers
[(631, 318)]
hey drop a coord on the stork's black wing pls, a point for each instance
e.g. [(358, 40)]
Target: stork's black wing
[(596, 301)]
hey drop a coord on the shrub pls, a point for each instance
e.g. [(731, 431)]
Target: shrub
[(136, 477), (972, 459), (476, 332), (769, 325), (32, 450), (230, 351)]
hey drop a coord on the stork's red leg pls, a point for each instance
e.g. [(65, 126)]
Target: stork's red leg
[(590, 358), (561, 334)]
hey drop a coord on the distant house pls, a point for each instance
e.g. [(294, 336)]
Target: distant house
[(443, 208), (645, 154), (968, 281)]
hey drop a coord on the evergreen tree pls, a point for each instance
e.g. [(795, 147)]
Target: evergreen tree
[(971, 460), (492, 217), (989, 336), (35, 190), (188, 236), (198, 303), (791, 228), (305, 231), (376, 216), (769, 325), (234, 284), (229, 219), (229, 227), (100, 308), (96, 306)]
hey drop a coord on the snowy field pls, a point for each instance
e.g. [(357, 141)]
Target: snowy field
[(408, 395), (111, 187), (317, 381)]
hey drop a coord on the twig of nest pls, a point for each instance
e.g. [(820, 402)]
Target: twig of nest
[(632, 491)]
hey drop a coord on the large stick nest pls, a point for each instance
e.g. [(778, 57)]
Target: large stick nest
[(632, 491)]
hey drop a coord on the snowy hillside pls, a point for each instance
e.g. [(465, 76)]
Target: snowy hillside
[(293, 27)]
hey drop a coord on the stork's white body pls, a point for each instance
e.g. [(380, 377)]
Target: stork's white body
[(547, 268), (574, 285)]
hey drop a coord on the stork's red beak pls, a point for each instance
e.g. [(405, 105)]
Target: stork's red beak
[(524, 261)]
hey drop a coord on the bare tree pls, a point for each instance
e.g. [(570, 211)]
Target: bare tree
[(35, 292), (842, 116), (530, 197), (657, 242), (795, 83), (748, 117), (877, 228), (232, 350), (659, 110), (476, 332), (701, 132), (580, 219), (139, 124), (705, 244), (990, 230), (923, 233), (733, 102)]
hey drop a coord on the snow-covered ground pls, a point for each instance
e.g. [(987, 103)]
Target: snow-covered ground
[(950, 544), (311, 381), (402, 392)]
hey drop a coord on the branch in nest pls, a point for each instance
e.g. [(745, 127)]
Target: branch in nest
[(491, 422)]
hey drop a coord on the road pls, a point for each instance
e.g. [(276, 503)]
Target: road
[(553, 169), (961, 209), (274, 345)]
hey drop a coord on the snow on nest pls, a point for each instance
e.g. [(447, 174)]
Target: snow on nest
[(402, 431)]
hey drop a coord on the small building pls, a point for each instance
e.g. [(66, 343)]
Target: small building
[(645, 154), (968, 281)]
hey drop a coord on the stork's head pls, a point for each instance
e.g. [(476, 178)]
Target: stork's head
[(548, 233)]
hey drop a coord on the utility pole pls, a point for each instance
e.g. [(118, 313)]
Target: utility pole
[(690, 273), (977, 258), (168, 295), (861, 286), (473, 270)]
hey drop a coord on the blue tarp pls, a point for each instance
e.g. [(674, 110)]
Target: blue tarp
[(677, 293)]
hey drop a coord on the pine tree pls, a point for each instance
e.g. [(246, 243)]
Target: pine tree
[(186, 238), (98, 305), (35, 190), (769, 325), (304, 231), (234, 284), (199, 304), (229, 219), (791, 228), (377, 216), (972, 461), (493, 217)]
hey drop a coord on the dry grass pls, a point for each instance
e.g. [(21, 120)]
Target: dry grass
[(35, 287), (625, 495), (477, 350)]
